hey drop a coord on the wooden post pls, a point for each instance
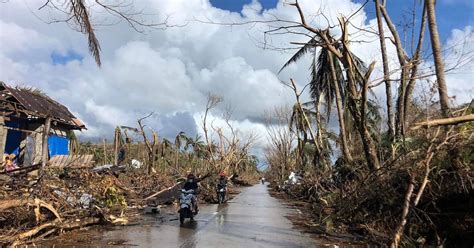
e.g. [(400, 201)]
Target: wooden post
[(44, 150), (105, 151), (116, 145), (3, 138)]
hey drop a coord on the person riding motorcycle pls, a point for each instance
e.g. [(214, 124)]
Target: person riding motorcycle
[(222, 183), (191, 183)]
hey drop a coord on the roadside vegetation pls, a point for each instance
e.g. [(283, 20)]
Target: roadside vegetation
[(397, 173)]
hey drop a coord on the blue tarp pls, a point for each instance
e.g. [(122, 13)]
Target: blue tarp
[(13, 139), (58, 145)]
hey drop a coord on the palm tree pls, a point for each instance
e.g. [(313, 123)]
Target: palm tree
[(177, 143), (300, 127), (198, 147), (327, 82), (165, 144)]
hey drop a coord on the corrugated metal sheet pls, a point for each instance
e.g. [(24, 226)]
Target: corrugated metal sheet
[(44, 106)]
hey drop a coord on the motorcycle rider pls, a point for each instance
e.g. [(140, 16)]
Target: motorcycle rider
[(222, 183), (191, 183)]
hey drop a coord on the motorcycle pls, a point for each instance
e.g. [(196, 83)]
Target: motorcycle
[(221, 195), (187, 207)]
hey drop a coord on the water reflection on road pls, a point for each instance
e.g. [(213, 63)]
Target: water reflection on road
[(252, 219)]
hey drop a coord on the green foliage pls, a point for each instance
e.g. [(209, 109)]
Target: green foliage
[(114, 198)]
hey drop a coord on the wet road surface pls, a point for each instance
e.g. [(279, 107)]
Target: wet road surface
[(252, 219)]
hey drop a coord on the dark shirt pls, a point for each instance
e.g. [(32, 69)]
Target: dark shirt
[(189, 185), (222, 183)]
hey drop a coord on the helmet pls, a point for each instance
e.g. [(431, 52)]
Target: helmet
[(190, 176), (222, 174)]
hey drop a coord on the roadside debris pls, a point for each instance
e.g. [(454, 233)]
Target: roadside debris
[(152, 210), (56, 188), (80, 199)]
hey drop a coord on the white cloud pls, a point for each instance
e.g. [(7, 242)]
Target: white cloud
[(460, 55), (170, 72)]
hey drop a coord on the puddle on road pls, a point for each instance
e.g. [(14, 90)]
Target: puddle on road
[(252, 219)]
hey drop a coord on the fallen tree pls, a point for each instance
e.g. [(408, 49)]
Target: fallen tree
[(444, 121)]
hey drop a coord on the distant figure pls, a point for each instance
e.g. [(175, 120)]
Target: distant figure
[(263, 180), (121, 155)]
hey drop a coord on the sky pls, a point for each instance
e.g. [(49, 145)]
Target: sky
[(171, 71)]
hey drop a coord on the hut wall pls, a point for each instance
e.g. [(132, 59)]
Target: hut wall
[(37, 138)]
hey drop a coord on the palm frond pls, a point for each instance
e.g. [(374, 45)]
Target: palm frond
[(321, 86), (80, 14), (302, 51)]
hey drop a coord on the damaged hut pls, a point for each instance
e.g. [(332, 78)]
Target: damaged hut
[(25, 115)]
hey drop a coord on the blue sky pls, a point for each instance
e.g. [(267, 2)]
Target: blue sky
[(236, 5), (58, 58), (451, 14)]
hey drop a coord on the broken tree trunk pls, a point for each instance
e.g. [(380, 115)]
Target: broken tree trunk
[(30, 233), (163, 191), (403, 221), (386, 72), (55, 224), (7, 204), (444, 121), (438, 57), (340, 112)]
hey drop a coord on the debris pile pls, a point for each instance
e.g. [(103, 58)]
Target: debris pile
[(33, 207), (66, 199), (431, 188)]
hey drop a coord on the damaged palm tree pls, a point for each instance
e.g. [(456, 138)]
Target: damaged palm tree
[(151, 146), (386, 181), (79, 15)]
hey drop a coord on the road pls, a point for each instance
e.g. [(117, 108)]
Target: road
[(252, 219)]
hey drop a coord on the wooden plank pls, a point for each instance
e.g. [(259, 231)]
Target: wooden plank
[(18, 129), (46, 128), (72, 160)]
